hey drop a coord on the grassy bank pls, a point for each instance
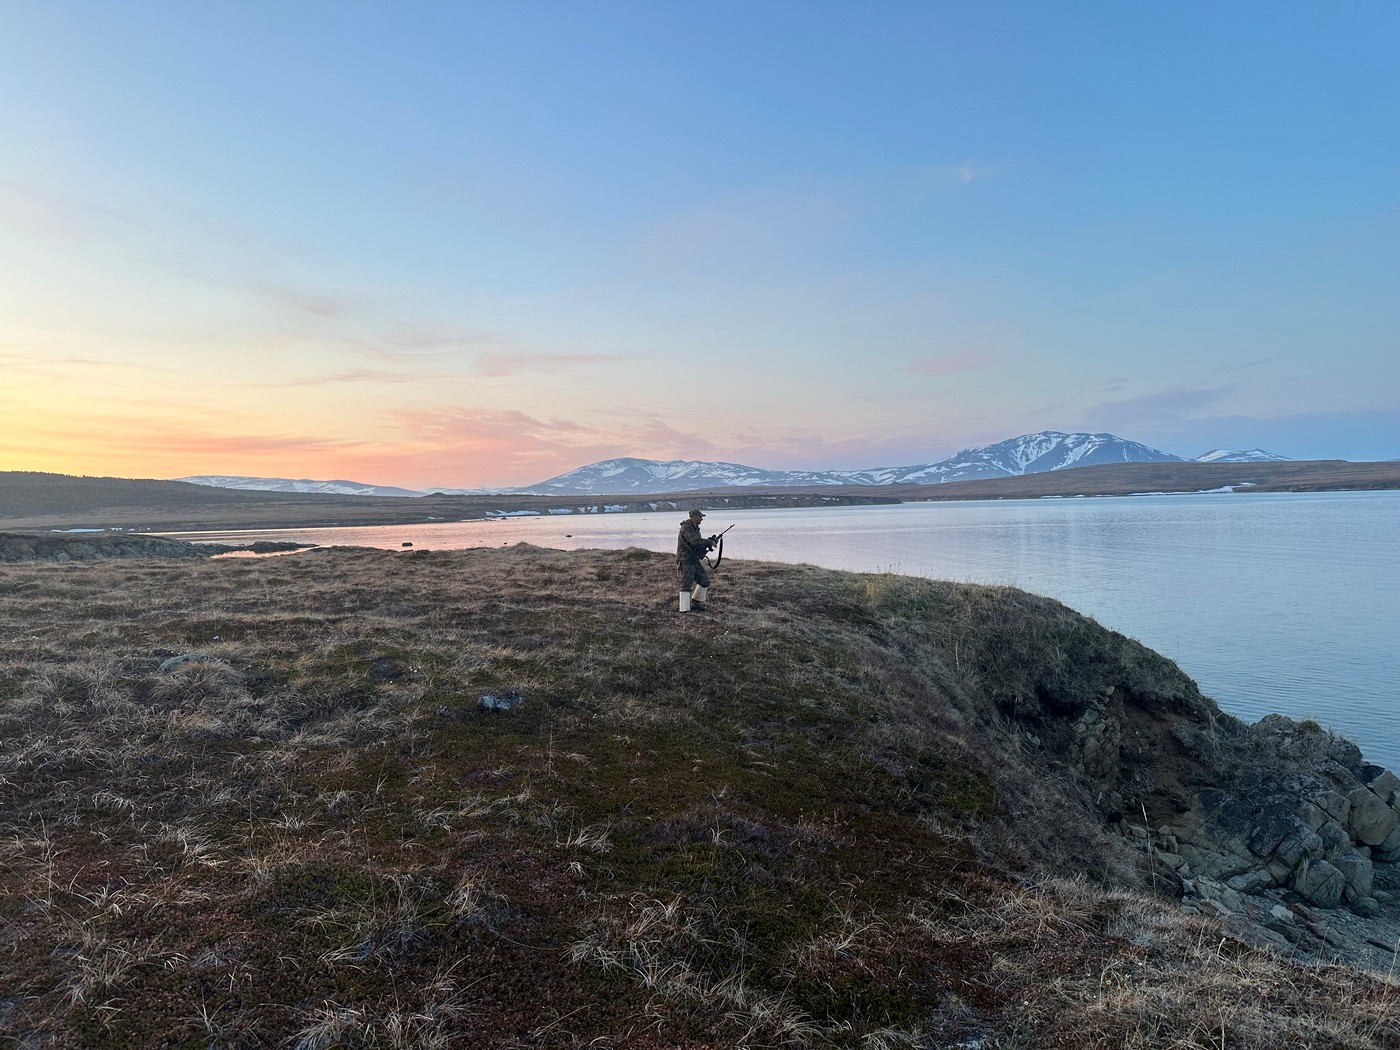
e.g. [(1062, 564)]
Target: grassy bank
[(511, 798)]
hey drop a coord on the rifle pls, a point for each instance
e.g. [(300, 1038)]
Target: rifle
[(719, 551)]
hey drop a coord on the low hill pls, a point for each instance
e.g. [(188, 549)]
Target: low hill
[(509, 797), (1123, 479), (35, 493), (58, 501)]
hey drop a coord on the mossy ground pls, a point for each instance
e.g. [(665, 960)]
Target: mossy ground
[(764, 826)]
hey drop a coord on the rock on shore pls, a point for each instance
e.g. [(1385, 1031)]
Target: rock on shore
[(97, 546), (1279, 825)]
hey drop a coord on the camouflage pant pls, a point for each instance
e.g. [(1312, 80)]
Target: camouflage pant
[(693, 572)]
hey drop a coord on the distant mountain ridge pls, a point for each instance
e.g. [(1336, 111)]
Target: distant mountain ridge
[(333, 488), (1027, 454), (1254, 455), (628, 475)]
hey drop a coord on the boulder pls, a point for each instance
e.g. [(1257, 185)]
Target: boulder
[(1334, 804), (1210, 890), (1172, 860), (1213, 864), (1300, 845), (1320, 883), (1382, 782), (508, 700), (1358, 873), (1279, 829), (1335, 840), (1371, 819), (1388, 852), (1251, 881)]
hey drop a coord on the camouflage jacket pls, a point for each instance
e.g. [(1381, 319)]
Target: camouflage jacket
[(690, 545)]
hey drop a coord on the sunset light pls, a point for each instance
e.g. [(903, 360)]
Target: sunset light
[(483, 244)]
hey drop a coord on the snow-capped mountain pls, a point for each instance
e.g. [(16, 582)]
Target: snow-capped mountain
[(650, 476), (1027, 454), (1254, 455), (334, 488)]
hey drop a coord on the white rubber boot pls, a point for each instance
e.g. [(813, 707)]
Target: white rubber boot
[(685, 601), (700, 594)]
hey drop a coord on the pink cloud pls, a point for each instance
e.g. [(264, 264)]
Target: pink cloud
[(460, 447)]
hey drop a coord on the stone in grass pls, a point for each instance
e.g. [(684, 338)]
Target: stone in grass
[(508, 700), (174, 662)]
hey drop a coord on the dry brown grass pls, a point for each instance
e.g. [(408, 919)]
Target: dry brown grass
[(752, 828)]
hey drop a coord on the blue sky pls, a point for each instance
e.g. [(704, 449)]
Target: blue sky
[(464, 244)]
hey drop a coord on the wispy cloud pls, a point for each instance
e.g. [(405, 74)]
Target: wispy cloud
[(357, 375), (397, 343), (1161, 408), (968, 172), (264, 278), (950, 364), (54, 216), (497, 365), (43, 365), (308, 301), (1244, 366)]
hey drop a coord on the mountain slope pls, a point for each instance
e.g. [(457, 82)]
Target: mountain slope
[(648, 477), (28, 493), (1254, 455), (1027, 454), (335, 488)]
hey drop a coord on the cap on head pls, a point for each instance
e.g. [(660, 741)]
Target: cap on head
[(697, 513)]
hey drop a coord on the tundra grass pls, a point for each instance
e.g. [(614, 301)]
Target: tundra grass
[(774, 825)]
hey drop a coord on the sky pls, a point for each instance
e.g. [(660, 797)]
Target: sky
[(478, 244)]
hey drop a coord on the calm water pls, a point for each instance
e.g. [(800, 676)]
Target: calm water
[(1280, 603)]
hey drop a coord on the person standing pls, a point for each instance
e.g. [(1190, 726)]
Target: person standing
[(691, 549)]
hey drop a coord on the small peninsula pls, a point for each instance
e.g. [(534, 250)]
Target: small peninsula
[(508, 797)]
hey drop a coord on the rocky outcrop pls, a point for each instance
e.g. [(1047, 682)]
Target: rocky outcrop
[(97, 546), (1297, 810), (1279, 827)]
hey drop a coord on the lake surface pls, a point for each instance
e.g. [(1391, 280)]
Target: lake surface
[(1271, 602)]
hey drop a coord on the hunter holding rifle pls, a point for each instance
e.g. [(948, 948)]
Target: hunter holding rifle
[(691, 549)]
